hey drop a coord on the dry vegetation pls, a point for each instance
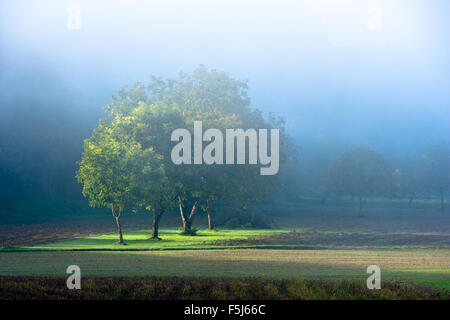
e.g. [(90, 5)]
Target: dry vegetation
[(176, 288)]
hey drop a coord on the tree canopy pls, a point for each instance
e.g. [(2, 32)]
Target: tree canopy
[(141, 120), (116, 172)]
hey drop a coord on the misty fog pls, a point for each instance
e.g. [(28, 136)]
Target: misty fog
[(370, 73)]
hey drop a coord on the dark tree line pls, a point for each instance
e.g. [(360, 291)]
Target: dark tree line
[(362, 173)]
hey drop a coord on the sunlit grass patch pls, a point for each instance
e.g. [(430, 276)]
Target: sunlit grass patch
[(141, 240)]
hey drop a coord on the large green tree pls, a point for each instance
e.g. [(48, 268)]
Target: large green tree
[(219, 102), (113, 170), (150, 125)]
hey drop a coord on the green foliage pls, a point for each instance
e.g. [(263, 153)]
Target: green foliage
[(148, 114), (105, 169), (116, 172), (115, 169)]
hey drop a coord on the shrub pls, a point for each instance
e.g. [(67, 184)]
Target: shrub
[(245, 220), (190, 232)]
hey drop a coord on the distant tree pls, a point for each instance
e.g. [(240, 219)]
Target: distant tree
[(361, 172), (410, 179), (292, 178), (112, 169), (437, 170)]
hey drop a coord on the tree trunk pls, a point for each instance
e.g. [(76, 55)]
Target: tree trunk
[(119, 226), (411, 198), (187, 221), (119, 230), (360, 213), (190, 219), (183, 218), (155, 226), (210, 217), (157, 213)]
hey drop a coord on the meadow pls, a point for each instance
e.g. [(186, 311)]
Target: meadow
[(420, 266), (327, 252)]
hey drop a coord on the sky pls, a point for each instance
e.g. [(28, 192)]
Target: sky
[(355, 72)]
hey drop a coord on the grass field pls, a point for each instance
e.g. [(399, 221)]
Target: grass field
[(417, 265), (222, 253), (324, 249), (424, 267)]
